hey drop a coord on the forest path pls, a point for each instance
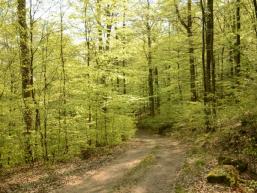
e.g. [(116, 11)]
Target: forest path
[(149, 166)]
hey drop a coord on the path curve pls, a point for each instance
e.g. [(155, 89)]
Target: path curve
[(159, 178)]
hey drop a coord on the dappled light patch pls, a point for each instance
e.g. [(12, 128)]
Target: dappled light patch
[(74, 180)]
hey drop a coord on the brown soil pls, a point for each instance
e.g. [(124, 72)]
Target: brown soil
[(159, 177)]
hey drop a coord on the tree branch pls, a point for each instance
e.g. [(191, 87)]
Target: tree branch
[(179, 17)]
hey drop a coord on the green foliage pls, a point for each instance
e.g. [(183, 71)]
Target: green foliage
[(79, 104), (156, 125)]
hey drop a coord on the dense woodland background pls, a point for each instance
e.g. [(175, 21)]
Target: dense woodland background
[(78, 75)]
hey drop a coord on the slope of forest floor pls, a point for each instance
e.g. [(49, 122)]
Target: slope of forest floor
[(202, 157)]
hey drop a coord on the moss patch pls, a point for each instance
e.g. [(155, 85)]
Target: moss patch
[(226, 174)]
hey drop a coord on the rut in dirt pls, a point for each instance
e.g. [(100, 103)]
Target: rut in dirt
[(149, 166)]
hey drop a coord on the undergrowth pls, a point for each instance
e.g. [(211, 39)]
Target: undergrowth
[(236, 138)]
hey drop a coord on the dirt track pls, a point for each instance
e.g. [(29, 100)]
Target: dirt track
[(121, 175)]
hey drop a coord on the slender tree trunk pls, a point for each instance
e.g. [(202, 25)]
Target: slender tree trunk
[(99, 21), (108, 27), (88, 60), (11, 124), (64, 101), (151, 89), (222, 72), (157, 89), (87, 34), (180, 89), (123, 47), (255, 7), (105, 109), (36, 105), (45, 145), (255, 17), (189, 28), (203, 51), (150, 65), (96, 124), (238, 39), (26, 74)]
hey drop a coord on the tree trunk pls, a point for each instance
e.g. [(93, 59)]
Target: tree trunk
[(108, 27), (36, 104), (210, 66), (255, 7), (180, 89), (123, 46), (44, 69), (191, 53), (157, 89), (238, 39), (150, 65), (203, 51), (98, 19), (189, 28), (26, 74), (87, 34), (64, 100)]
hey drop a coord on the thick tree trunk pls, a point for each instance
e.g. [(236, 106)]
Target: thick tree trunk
[(191, 52), (27, 87), (210, 66)]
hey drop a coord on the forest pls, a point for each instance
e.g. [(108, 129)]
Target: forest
[(85, 83)]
